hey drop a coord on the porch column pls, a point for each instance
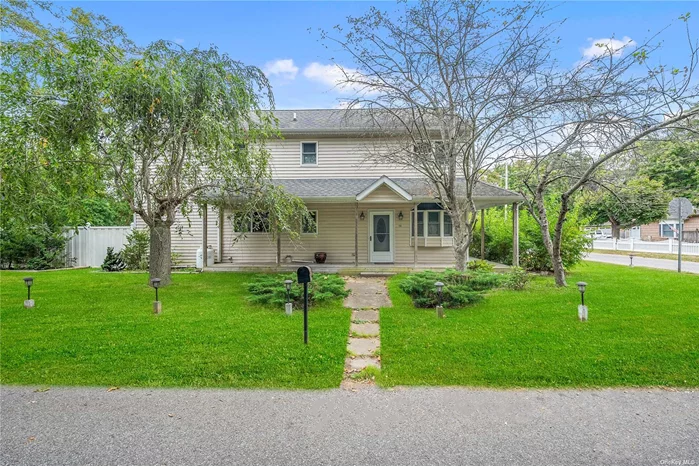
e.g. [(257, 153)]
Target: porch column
[(204, 232), (220, 234), (279, 248), (482, 234), (515, 234), (415, 237), (356, 234)]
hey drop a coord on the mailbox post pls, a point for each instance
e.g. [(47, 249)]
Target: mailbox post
[(305, 275)]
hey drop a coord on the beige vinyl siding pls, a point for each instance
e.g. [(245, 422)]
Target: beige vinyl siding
[(187, 232), (337, 158), (383, 194), (335, 237)]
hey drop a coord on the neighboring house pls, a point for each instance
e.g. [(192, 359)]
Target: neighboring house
[(659, 231), (366, 212)]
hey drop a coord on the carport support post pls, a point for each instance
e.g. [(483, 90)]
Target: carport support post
[(515, 235), (415, 237), (482, 234), (356, 234), (204, 231)]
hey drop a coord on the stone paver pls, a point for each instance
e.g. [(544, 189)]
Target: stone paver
[(357, 364), (363, 346), (368, 328), (367, 316), (367, 293)]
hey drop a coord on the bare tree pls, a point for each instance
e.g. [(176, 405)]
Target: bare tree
[(617, 101), (454, 81)]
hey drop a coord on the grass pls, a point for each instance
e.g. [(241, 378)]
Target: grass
[(650, 255), (643, 331), (96, 328)]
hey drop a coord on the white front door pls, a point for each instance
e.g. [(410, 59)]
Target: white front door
[(381, 236)]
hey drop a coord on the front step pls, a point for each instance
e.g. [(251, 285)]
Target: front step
[(376, 274)]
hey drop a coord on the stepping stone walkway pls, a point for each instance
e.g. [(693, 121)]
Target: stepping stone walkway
[(367, 295)]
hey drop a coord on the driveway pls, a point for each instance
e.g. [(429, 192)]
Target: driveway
[(372, 426), (665, 264)]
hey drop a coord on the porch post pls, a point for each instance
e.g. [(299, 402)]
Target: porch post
[(482, 234), (415, 237), (220, 234), (356, 234), (279, 248), (515, 234), (204, 232)]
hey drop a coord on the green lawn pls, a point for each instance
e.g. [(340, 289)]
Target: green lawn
[(643, 331), (96, 328)]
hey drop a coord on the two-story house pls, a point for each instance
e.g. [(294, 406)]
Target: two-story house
[(366, 212)]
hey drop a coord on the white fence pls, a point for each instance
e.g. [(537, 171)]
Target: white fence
[(88, 247), (661, 247)]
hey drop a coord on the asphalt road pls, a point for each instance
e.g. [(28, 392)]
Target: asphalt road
[(374, 427), (665, 264)]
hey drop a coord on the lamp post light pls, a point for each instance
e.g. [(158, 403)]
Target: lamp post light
[(288, 305), (440, 309), (630, 260), (582, 309), (29, 302), (157, 305)]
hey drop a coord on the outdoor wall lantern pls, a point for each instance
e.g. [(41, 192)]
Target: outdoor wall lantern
[(582, 309), (361, 216), (288, 306), (440, 309), (157, 306), (400, 215), (29, 302)]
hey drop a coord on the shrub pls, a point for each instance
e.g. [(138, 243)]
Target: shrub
[(113, 262), (135, 252), (460, 288), (517, 279), (270, 289), (533, 253), (36, 247), (480, 265)]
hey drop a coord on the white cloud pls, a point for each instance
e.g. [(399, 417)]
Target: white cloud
[(333, 76), (179, 41), (284, 68), (607, 46)]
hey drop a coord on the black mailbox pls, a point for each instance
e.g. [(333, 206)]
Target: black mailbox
[(304, 274)]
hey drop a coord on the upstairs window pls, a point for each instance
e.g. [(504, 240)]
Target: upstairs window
[(309, 153)]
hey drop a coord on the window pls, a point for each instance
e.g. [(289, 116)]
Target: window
[(447, 225), (668, 230), (257, 222), (439, 223), (433, 224), (310, 226), (309, 153)]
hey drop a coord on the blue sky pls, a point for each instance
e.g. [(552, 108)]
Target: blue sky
[(282, 38)]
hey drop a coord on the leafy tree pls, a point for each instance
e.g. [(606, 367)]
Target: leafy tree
[(674, 163), (637, 201)]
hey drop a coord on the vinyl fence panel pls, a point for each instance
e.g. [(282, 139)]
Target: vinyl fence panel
[(88, 246), (661, 247)]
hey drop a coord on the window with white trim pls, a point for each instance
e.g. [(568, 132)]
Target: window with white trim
[(669, 230), (310, 225), (438, 222), (256, 222), (309, 153)]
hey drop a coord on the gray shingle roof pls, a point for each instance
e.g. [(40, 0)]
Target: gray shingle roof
[(333, 121), (350, 187)]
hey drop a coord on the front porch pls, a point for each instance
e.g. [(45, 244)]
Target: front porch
[(343, 269)]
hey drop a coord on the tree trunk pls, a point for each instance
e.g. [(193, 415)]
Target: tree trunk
[(553, 247), (161, 251), (616, 228), (559, 273), (462, 237)]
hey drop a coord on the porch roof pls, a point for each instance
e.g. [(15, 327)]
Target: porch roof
[(409, 189)]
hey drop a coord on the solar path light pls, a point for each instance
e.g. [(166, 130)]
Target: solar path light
[(29, 302), (288, 305), (157, 305), (440, 309), (630, 260), (582, 309)]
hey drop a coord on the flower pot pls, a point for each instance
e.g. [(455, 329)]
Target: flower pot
[(320, 257)]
